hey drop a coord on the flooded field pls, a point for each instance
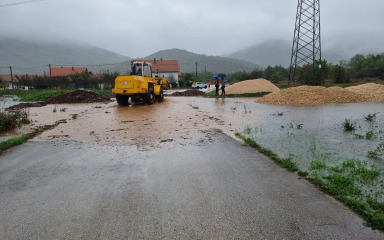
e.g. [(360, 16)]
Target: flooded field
[(7, 101), (307, 133)]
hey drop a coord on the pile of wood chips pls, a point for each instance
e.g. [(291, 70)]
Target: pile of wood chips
[(251, 86), (309, 95)]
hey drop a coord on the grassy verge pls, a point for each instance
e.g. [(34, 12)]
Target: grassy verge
[(43, 95), (259, 94), (105, 93), (33, 95), (286, 162), (346, 182), (13, 119), (25, 137)]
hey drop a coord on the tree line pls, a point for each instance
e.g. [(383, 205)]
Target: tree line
[(358, 67), (105, 80)]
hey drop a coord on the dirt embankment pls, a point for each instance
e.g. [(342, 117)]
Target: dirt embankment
[(307, 95), (78, 96), (188, 93), (251, 86)]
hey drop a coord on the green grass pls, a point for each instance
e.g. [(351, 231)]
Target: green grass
[(23, 138), (346, 182), (44, 95), (34, 95), (284, 162), (12, 119), (105, 93)]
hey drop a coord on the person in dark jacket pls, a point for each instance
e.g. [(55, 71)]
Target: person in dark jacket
[(217, 84), (222, 86)]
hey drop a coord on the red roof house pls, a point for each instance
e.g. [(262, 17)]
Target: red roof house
[(165, 68), (67, 71)]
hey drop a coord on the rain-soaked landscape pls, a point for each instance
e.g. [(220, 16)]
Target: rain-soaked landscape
[(188, 135)]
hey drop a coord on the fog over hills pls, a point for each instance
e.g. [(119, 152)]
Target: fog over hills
[(29, 57), (187, 61), (278, 52)]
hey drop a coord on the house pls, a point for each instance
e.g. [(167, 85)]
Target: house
[(165, 68), (66, 71), (6, 80)]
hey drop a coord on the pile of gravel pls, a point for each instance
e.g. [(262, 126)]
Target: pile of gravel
[(251, 86), (308, 95)]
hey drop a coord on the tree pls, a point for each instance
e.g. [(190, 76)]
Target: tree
[(256, 73), (276, 77), (339, 74)]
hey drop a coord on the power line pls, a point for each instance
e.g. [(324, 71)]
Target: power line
[(20, 3)]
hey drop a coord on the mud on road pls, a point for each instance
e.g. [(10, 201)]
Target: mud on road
[(141, 125)]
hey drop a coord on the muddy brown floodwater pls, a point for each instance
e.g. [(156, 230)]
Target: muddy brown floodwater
[(111, 124)]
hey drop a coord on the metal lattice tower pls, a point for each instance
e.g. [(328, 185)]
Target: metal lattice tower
[(306, 49)]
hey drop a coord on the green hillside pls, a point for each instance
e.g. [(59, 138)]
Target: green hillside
[(187, 61), (34, 58)]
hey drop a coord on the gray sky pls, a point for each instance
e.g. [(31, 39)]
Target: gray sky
[(137, 28)]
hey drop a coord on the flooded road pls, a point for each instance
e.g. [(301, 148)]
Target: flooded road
[(167, 171)]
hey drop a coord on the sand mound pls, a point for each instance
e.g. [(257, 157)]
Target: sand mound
[(372, 92), (78, 96), (251, 86), (313, 95)]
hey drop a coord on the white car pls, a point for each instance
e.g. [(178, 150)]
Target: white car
[(199, 85)]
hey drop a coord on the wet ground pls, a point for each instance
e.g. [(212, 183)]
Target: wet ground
[(172, 170)]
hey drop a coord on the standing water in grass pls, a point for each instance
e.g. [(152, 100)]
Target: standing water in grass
[(306, 133)]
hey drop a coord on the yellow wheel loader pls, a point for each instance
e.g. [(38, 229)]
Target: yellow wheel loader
[(139, 85)]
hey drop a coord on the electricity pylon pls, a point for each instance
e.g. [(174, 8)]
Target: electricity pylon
[(306, 48)]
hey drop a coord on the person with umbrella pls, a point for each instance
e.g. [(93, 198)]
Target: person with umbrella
[(222, 86)]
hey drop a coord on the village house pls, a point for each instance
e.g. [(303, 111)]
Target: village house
[(66, 71), (6, 80), (165, 68)]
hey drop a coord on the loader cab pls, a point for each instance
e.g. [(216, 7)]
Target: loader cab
[(141, 69)]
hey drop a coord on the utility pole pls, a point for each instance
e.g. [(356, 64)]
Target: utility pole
[(10, 68), (205, 74), (306, 48), (196, 71), (50, 72)]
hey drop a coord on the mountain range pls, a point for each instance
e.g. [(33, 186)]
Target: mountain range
[(278, 52), (27, 57)]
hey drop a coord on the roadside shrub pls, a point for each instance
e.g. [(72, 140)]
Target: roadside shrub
[(12, 119)]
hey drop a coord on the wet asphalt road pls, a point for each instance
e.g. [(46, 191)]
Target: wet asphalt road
[(207, 186)]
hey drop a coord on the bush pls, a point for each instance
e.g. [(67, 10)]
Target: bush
[(11, 120)]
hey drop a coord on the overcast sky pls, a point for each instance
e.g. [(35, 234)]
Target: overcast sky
[(137, 28)]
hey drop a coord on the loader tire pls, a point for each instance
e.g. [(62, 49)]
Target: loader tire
[(122, 99), (149, 97), (160, 98)]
